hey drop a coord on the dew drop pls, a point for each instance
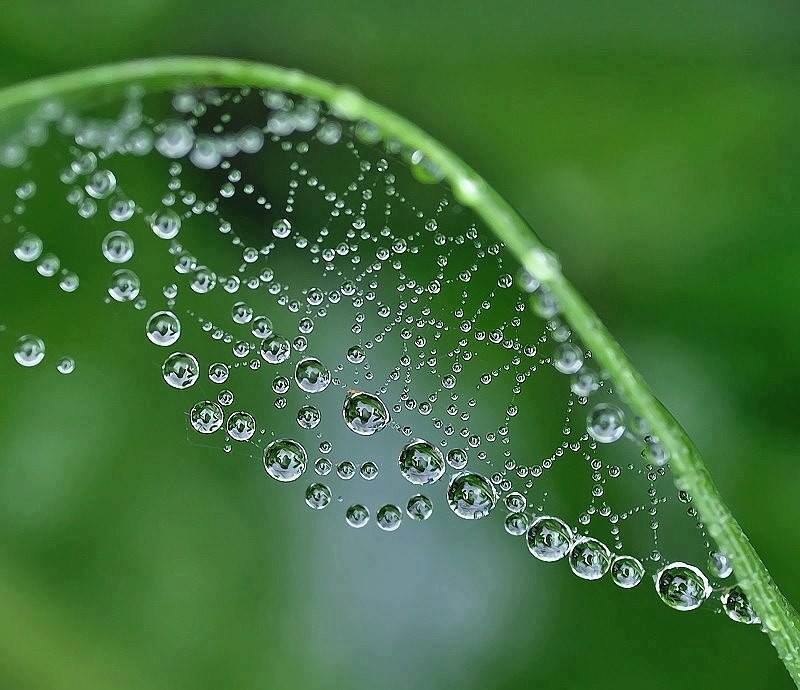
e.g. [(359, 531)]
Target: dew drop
[(627, 571), (589, 558), (163, 328), (364, 413), (206, 417), (606, 423), (66, 365), (241, 426), (419, 507), (471, 496), (389, 517), (29, 351), (737, 606), (549, 538), (681, 586), (311, 375), (28, 248), (180, 370), (356, 516), (318, 496), (421, 462), (516, 524), (124, 285), (285, 460), (275, 349), (218, 372)]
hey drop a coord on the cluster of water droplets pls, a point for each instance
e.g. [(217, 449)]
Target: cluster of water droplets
[(377, 308)]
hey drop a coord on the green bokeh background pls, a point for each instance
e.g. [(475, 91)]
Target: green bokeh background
[(654, 147)]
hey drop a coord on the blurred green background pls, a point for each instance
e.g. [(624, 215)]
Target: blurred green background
[(655, 149)]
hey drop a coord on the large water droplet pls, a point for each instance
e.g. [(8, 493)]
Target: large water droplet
[(124, 285), (276, 350), (737, 606), (364, 413), (356, 516), (421, 462), (419, 507), (163, 328), (117, 247), (516, 524), (206, 417), (682, 586), (180, 370), (29, 351), (241, 426), (471, 496), (29, 247), (311, 375), (627, 571), (606, 423), (549, 538), (389, 517), (589, 558), (318, 496), (285, 460)]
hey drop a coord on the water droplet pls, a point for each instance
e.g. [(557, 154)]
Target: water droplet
[(281, 228), (308, 417), (364, 413), (276, 350), (419, 507), (346, 470), (606, 423), (241, 313), (516, 524), (720, 564), (516, 502), (318, 496), (69, 282), (176, 141), (470, 496), (627, 571), (166, 224), (457, 458), (28, 248), (584, 383), (285, 460), (421, 462), (261, 327), (203, 280), (218, 372), (681, 586), (29, 351), (737, 606), (323, 466), (48, 265), (206, 417), (66, 365), (368, 471), (101, 184), (389, 517), (589, 558), (549, 538), (124, 285), (311, 375), (568, 358), (163, 328), (355, 355), (356, 516), (180, 370), (241, 426)]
